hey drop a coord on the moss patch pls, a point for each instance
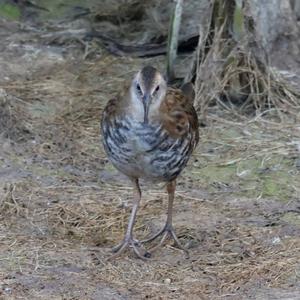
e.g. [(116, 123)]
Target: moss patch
[(10, 11)]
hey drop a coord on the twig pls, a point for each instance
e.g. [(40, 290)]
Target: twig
[(173, 40)]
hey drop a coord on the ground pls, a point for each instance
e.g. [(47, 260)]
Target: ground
[(63, 206)]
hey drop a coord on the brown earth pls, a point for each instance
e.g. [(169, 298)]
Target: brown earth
[(63, 206)]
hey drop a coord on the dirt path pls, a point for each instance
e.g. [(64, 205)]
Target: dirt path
[(63, 206)]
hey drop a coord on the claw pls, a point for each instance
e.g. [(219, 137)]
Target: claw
[(126, 244), (166, 232), (152, 238)]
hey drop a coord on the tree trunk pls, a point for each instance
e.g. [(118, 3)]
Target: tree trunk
[(296, 8), (273, 21), (275, 28), (236, 51)]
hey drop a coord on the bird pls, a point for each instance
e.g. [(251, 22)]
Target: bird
[(149, 132)]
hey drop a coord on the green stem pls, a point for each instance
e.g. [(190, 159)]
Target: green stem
[(173, 39)]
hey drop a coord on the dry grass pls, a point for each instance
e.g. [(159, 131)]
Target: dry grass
[(14, 121), (225, 259), (240, 78), (59, 220), (66, 217)]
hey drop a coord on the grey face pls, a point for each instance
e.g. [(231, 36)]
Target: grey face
[(148, 87)]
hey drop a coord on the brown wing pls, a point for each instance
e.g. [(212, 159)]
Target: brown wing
[(111, 107), (115, 105), (178, 115), (188, 91)]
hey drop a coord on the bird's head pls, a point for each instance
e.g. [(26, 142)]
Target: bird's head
[(148, 89)]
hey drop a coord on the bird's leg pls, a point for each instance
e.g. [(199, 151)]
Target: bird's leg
[(128, 241), (167, 230)]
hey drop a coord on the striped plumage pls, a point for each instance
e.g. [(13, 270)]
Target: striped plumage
[(149, 133), (146, 150)]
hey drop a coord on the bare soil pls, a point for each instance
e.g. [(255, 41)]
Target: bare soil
[(63, 206)]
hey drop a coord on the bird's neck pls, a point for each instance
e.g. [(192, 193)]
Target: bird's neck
[(134, 109)]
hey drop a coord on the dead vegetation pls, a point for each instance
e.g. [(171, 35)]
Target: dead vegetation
[(14, 123), (234, 70), (228, 258), (237, 205)]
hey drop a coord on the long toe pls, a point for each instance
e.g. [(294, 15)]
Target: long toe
[(155, 236), (126, 241), (132, 244), (165, 233)]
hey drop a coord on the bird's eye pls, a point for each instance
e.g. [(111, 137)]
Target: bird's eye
[(138, 87), (157, 89)]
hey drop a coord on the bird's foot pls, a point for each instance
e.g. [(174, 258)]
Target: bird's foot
[(127, 243), (166, 232)]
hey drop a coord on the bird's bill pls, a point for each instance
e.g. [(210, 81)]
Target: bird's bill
[(146, 103)]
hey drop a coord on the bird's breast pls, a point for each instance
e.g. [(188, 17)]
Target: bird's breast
[(145, 150)]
